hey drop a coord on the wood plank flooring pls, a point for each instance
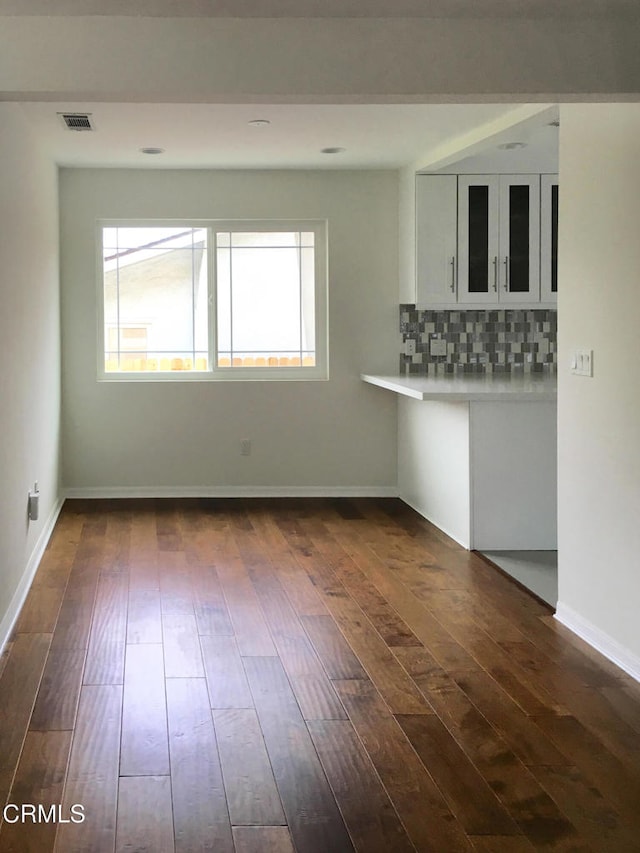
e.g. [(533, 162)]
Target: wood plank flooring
[(319, 676)]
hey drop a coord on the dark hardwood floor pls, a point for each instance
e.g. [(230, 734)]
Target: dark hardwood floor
[(264, 676)]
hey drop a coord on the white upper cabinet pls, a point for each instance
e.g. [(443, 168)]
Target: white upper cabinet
[(478, 240), (499, 239), (436, 238), (549, 238), (519, 238)]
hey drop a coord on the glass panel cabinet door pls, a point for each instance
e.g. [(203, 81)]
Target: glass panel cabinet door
[(519, 264), (548, 238), (477, 238)]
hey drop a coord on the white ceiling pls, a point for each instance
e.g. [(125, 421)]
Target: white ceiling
[(325, 8), (540, 153), (220, 136)]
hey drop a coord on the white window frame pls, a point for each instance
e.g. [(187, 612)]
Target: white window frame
[(319, 371)]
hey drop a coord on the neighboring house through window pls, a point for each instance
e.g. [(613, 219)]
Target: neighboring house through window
[(241, 300)]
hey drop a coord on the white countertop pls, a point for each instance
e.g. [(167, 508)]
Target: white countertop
[(488, 387)]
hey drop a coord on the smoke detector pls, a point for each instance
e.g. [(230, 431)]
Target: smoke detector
[(77, 121)]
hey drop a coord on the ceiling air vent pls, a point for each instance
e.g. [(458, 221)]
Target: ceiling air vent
[(77, 121)]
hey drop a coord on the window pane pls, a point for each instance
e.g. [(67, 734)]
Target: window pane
[(138, 237), (271, 238), (109, 240), (223, 287), (155, 298), (308, 319), (266, 299)]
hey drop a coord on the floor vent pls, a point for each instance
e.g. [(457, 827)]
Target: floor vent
[(77, 121)]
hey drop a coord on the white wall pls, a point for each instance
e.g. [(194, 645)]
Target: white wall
[(339, 434), (29, 350), (407, 235), (314, 60), (434, 463), (599, 417)]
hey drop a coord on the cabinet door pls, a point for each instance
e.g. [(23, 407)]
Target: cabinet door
[(478, 238), (436, 225), (549, 238), (519, 259)]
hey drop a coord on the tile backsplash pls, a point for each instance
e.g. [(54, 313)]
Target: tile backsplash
[(488, 341)]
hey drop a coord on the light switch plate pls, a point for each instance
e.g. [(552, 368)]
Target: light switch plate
[(582, 362)]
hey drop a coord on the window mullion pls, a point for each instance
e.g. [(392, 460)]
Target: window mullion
[(301, 319), (118, 333), (212, 292), (231, 296), (193, 300)]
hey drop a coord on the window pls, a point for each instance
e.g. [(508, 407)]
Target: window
[(221, 300)]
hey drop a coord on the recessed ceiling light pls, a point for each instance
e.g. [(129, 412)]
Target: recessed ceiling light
[(336, 150), (259, 122), (511, 146), (152, 150)]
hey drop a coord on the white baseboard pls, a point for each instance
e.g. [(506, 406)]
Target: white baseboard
[(234, 492), (13, 611), (451, 535), (600, 641)]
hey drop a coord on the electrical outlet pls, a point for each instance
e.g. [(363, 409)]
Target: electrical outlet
[(437, 346), (245, 447), (410, 347), (34, 503)]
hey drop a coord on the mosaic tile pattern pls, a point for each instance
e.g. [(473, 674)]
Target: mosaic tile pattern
[(488, 341)]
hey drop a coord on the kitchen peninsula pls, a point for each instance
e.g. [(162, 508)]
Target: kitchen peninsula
[(477, 455)]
